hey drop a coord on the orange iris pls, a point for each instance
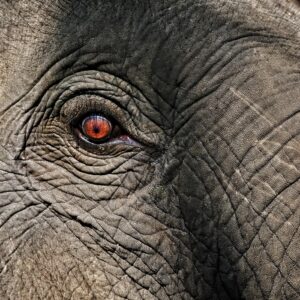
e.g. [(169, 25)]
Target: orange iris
[(96, 127)]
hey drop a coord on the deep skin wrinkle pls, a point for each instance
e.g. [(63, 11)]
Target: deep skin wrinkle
[(204, 203)]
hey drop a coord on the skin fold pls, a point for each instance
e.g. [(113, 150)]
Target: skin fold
[(200, 200)]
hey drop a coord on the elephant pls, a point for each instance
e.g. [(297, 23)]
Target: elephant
[(149, 149)]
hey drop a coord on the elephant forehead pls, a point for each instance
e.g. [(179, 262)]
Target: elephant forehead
[(148, 42)]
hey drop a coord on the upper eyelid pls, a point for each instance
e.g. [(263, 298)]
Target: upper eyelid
[(98, 84), (81, 105)]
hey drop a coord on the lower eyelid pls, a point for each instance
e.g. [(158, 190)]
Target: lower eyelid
[(124, 139)]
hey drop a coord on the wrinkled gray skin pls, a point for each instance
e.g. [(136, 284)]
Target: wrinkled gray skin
[(207, 206)]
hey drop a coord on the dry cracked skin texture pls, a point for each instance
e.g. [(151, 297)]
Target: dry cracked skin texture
[(205, 204)]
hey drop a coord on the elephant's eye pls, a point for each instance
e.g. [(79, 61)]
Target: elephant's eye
[(96, 128)]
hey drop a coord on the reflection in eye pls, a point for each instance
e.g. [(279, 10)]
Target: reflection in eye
[(96, 128)]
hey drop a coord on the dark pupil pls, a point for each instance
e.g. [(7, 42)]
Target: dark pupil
[(96, 129)]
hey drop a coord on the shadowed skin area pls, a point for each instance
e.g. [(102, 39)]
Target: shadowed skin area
[(200, 200)]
